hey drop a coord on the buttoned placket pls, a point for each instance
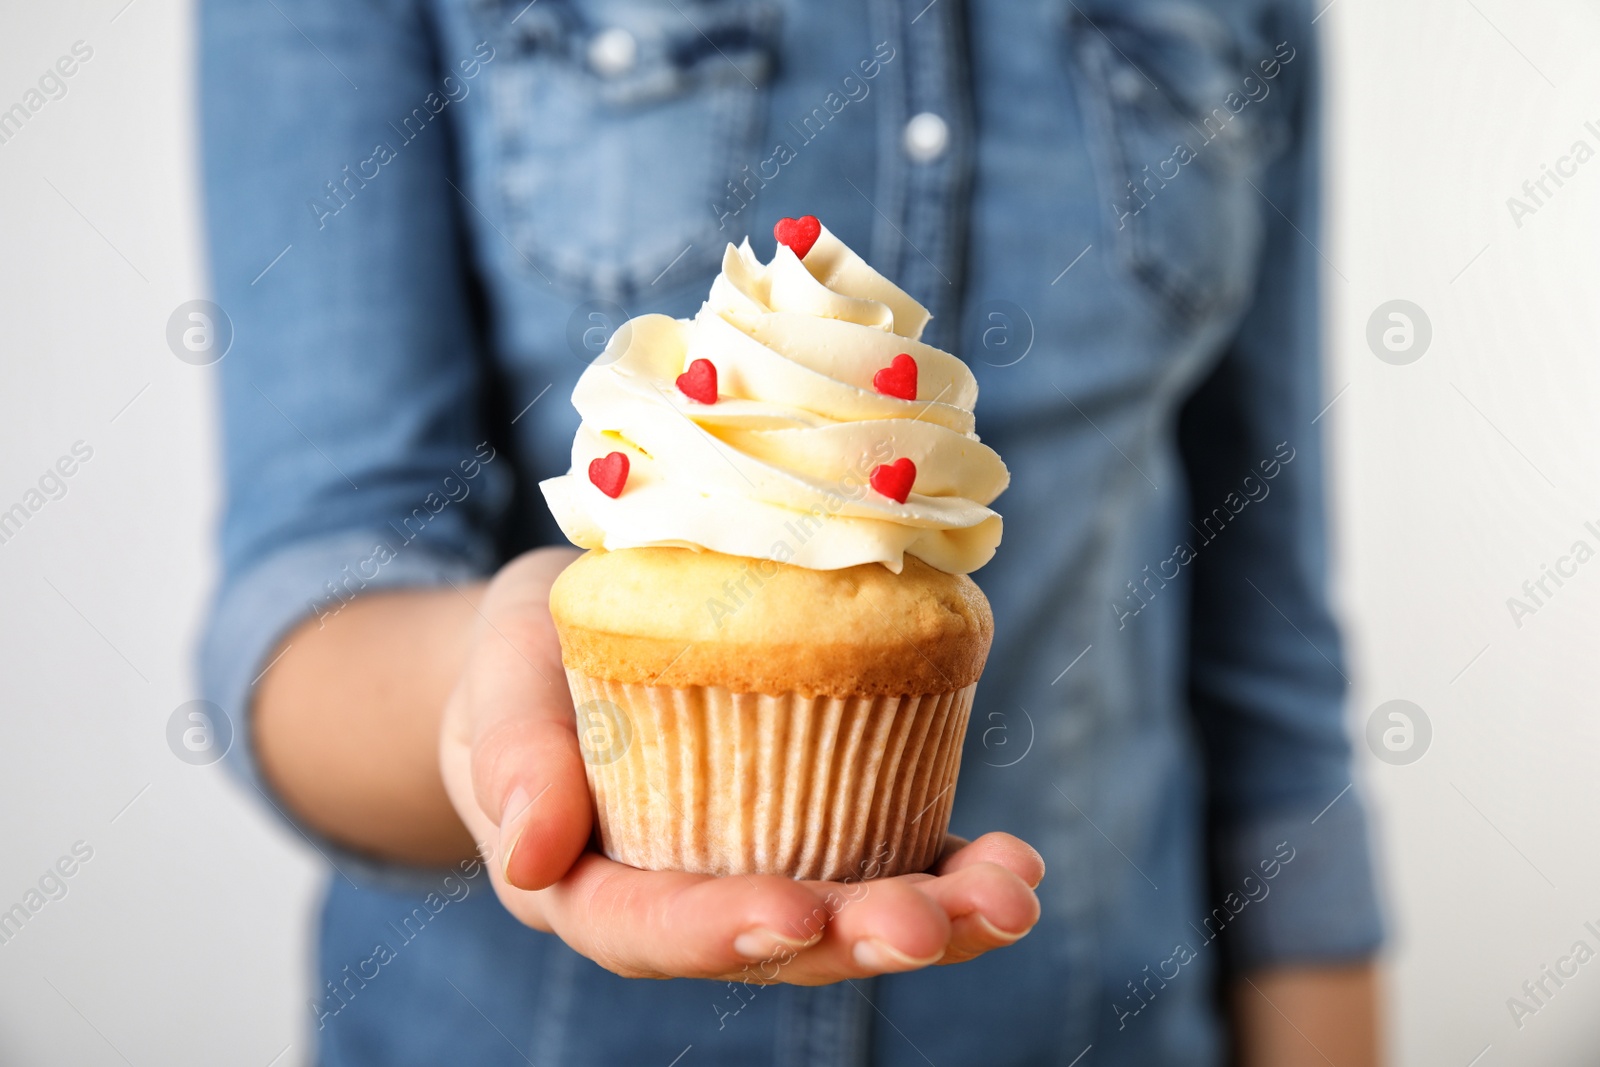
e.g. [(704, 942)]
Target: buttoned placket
[(924, 147), (924, 153)]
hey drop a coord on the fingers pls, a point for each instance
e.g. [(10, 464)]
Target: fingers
[(879, 927), (1004, 850), (764, 928), (657, 924), (524, 584), (528, 778), (513, 711), (988, 906), (516, 667), (981, 899)]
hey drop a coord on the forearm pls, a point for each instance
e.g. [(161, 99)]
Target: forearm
[(1307, 1017), (347, 722)]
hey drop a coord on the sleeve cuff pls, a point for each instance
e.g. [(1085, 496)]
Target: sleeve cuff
[(1300, 887), (253, 612)]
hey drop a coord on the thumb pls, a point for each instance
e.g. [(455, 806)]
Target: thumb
[(529, 779), (527, 771)]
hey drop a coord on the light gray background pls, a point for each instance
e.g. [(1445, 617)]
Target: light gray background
[(184, 940)]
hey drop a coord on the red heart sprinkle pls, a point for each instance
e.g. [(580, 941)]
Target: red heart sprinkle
[(610, 474), (699, 382), (799, 234), (898, 379), (894, 480)]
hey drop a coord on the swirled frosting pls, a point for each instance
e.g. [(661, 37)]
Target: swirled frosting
[(779, 467)]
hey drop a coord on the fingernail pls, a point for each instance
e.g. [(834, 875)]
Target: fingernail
[(516, 806), (1002, 936), (877, 955), (760, 943)]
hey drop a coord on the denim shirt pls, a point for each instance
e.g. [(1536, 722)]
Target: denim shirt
[(425, 216)]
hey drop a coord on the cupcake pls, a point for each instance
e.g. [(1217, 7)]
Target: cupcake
[(773, 643)]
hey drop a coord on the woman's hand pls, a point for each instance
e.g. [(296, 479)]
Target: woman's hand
[(512, 767)]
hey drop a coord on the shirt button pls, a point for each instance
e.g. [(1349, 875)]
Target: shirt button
[(613, 52), (926, 137)]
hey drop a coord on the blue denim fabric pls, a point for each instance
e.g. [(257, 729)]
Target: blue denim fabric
[(457, 197)]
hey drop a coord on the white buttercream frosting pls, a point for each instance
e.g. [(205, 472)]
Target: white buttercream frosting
[(779, 466)]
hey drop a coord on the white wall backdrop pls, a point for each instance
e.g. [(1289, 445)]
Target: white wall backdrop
[(1461, 473), (183, 939), (1460, 476)]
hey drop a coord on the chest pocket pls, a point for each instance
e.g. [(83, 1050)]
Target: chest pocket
[(1184, 115), (616, 127)]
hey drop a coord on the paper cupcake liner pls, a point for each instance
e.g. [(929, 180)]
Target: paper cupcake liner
[(701, 779)]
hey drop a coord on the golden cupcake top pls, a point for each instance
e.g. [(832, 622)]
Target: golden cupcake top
[(678, 618)]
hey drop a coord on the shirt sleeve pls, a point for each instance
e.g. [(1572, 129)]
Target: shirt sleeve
[(354, 451), (1267, 677)]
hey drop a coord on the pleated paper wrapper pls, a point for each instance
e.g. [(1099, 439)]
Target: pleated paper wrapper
[(704, 780)]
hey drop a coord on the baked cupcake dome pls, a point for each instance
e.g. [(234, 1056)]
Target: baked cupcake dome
[(680, 617)]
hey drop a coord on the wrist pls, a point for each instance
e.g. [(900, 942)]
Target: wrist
[(1300, 1016)]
